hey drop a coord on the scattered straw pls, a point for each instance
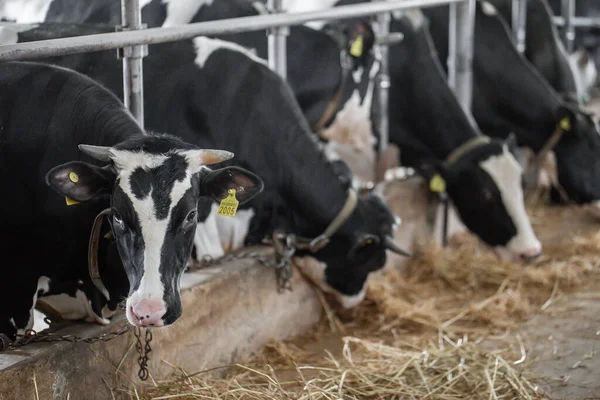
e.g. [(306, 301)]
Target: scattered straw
[(444, 330)]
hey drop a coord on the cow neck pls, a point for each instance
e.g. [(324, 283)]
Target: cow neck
[(438, 120), (523, 97)]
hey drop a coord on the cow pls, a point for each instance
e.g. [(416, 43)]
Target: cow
[(71, 154), (215, 93), (571, 75), (511, 96)]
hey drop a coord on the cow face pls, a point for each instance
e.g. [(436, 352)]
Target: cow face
[(343, 266), (155, 183), (578, 156), (485, 188)]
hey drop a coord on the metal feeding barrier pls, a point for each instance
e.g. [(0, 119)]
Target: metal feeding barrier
[(568, 21)]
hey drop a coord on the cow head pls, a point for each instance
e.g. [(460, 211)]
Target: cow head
[(577, 155), (343, 266), (155, 184), (484, 186), (360, 41)]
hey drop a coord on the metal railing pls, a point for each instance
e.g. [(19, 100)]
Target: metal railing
[(132, 39)]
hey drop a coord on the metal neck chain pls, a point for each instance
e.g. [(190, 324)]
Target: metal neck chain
[(143, 351)]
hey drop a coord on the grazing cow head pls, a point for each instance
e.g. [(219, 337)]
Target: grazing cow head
[(155, 184), (484, 185), (357, 249)]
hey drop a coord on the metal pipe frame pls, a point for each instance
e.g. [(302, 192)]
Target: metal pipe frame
[(461, 36), (133, 71), (452, 46), (568, 31), (277, 41), (519, 23), (384, 81), (107, 41), (578, 22)]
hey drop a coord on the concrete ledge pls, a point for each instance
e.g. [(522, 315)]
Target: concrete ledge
[(229, 311)]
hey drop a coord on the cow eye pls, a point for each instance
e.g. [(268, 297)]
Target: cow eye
[(118, 221), (191, 217)]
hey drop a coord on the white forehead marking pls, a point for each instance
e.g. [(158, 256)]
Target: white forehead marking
[(181, 12), (506, 173), (488, 8), (153, 230), (205, 47)]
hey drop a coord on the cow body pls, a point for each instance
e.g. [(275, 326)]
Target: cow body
[(36, 152), (510, 95)]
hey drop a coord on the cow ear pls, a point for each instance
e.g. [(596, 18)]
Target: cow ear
[(217, 183), (361, 39), (80, 181)]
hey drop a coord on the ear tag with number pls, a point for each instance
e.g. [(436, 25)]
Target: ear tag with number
[(565, 124), (437, 184), (356, 49), (229, 204), (73, 177)]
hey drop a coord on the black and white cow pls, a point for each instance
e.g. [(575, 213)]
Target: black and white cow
[(572, 75), (428, 124), (214, 93), (510, 95), (151, 183)]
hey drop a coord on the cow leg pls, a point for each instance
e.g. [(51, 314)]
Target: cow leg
[(18, 297)]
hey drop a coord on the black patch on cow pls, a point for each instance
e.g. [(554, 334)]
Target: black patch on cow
[(140, 182), (164, 177)]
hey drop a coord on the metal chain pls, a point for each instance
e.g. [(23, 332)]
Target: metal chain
[(143, 351)]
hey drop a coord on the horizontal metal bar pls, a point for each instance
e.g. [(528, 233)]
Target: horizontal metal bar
[(114, 40), (579, 22)]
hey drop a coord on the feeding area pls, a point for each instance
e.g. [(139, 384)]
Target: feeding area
[(350, 199)]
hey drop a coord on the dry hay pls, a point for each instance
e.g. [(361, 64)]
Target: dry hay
[(445, 330)]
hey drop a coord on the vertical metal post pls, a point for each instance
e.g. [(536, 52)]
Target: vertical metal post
[(133, 76), (519, 23), (452, 45), (461, 37), (568, 32), (383, 30), (277, 41)]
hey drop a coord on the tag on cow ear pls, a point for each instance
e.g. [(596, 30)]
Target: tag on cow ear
[(361, 38), (229, 204), (356, 48), (565, 124), (437, 184), (78, 181)]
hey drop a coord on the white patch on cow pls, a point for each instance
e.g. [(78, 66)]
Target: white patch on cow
[(218, 235), (299, 6), (181, 12), (352, 124), (416, 17), (205, 47), (584, 72), (13, 323), (488, 9), (76, 308), (43, 285), (25, 11), (358, 74), (314, 270), (506, 173), (153, 230), (38, 321)]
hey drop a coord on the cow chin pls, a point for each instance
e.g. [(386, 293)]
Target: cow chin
[(314, 270)]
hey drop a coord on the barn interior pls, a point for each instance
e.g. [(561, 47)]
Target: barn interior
[(451, 322)]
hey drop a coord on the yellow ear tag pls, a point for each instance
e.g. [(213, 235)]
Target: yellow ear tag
[(437, 184), (73, 177), (565, 124), (229, 204), (70, 201), (356, 49)]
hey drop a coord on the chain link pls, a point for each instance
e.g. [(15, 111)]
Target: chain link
[(143, 351)]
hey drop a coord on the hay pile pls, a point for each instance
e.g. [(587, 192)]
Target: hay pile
[(445, 330)]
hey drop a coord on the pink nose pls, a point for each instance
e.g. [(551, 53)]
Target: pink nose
[(530, 254), (148, 312)]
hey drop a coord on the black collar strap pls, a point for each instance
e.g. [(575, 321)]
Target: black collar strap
[(93, 252)]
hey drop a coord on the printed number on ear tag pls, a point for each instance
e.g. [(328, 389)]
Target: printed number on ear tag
[(565, 124), (229, 205), (356, 49), (437, 184), (70, 201)]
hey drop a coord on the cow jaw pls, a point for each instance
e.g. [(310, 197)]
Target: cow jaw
[(506, 172)]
